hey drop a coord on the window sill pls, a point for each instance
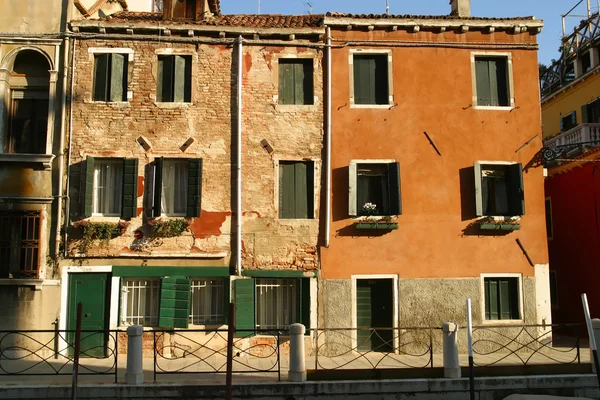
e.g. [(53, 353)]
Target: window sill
[(494, 108), (289, 108), (171, 105), (102, 218), (44, 159), (116, 104), (379, 106), (35, 283)]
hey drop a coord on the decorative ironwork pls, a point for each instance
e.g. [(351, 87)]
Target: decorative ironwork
[(527, 344), (39, 352), (556, 152), (380, 348), (201, 351)]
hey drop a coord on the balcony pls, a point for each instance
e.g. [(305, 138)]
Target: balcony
[(572, 142)]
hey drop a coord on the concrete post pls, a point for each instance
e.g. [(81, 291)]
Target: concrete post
[(297, 360), (135, 367), (596, 327), (451, 365)]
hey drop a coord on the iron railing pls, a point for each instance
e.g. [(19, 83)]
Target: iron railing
[(366, 348), (52, 352), (204, 351)]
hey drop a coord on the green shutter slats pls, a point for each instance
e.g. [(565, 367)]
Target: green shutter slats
[(300, 190), (174, 302), (130, 178), (298, 83), (88, 202), (179, 79), (158, 172), (101, 77), (501, 298), (482, 75), (286, 83), (504, 301), (478, 190), (516, 189), (584, 113), (295, 189), (365, 80), (493, 80), (493, 299), (194, 189), (286, 190), (394, 189), (118, 77), (244, 306)]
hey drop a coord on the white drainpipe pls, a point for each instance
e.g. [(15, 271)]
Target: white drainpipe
[(238, 211), (328, 144)]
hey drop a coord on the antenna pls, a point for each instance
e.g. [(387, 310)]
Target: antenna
[(387, 7), (310, 7)]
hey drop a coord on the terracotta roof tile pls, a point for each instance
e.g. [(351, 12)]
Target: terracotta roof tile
[(408, 16)]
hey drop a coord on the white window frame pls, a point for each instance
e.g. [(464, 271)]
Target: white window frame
[(95, 186), (195, 283), (519, 321), (124, 297), (511, 89), (379, 52), (479, 195), (353, 182), (92, 51)]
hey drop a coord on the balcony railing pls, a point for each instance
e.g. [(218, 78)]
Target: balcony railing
[(580, 137)]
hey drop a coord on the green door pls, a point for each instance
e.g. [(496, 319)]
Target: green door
[(92, 291), (374, 309)]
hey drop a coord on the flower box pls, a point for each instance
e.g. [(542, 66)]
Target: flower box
[(487, 226), (388, 226)]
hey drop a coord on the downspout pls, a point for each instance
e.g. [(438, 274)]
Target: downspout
[(328, 143), (67, 198), (238, 191), (61, 150)]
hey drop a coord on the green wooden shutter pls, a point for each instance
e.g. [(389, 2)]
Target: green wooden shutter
[(300, 190), (482, 77), (88, 195), (174, 302), (584, 114), (394, 189), (287, 185), (158, 172), (504, 293), (194, 189), (130, 178), (118, 77), (364, 80), (286, 82), (305, 303), (299, 83), (516, 189), (478, 190), (493, 298), (352, 189), (380, 79), (179, 79), (245, 309), (493, 79), (101, 77)]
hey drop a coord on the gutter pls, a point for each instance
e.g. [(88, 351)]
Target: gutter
[(328, 143), (67, 198), (238, 188)]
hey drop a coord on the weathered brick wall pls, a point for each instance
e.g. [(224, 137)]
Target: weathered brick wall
[(295, 132)]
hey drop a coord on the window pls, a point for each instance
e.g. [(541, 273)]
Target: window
[(568, 122), (296, 193), (492, 81), (110, 187), (549, 228), (207, 305), (19, 244), (110, 77), (376, 183), (371, 80), (296, 81), (29, 122), (501, 298), (140, 301), (174, 79), (590, 113), (499, 189), (177, 187)]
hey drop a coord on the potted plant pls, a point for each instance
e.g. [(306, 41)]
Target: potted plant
[(500, 224), (370, 219)]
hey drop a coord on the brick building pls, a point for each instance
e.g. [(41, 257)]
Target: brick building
[(157, 233)]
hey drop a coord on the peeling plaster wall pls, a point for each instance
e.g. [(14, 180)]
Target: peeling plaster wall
[(27, 16)]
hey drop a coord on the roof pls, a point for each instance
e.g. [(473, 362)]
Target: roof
[(241, 20), (438, 17)]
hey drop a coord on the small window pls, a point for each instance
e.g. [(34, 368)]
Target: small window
[(375, 184), (110, 77), (207, 301), (568, 122), (499, 190), (549, 227), (590, 113), (276, 303), (296, 81), (140, 299), (492, 81), (177, 187), (174, 79), (296, 193), (371, 80), (19, 244), (108, 184), (501, 298), (28, 122)]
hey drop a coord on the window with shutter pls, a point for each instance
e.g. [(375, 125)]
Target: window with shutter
[(296, 81), (174, 81), (375, 184), (499, 189), (371, 79), (501, 298), (245, 321), (296, 190), (108, 187), (177, 187), (568, 122), (110, 77), (492, 81), (130, 178)]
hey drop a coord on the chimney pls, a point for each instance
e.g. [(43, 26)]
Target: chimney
[(461, 8)]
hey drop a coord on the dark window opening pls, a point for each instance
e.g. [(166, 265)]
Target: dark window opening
[(373, 189), (296, 81), (28, 122), (174, 79), (501, 298), (586, 62), (492, 82), (371, 80), (499, 190), (19, 244), (110, 77), (568, 122)]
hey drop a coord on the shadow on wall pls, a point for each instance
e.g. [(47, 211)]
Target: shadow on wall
[(75, 184)]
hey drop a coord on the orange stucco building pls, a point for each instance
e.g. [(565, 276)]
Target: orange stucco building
[(435, 193)]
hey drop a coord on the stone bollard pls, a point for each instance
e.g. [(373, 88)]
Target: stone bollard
[(135, 367), (297, 360), (451, 364), (596, 328)]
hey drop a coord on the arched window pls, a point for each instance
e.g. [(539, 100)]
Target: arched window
[(28, 105)]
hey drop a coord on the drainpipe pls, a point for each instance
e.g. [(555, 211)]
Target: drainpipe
[(61, 150), (238, 191), (67, 198), (328, 143)]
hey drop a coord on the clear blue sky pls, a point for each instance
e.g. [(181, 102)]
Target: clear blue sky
[(547, 10)]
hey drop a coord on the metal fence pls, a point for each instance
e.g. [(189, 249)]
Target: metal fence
[(52, 352), (203, 351)]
